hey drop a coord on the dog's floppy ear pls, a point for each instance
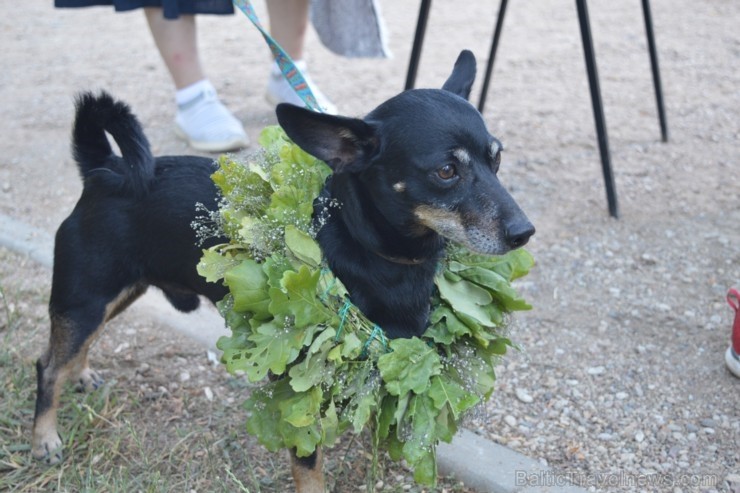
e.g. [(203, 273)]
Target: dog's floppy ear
[(345, 144), (463, 74)]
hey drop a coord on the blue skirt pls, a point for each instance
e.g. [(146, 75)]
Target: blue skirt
[(172, 9)]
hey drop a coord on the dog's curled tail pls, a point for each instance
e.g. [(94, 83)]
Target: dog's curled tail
[(97, 114)]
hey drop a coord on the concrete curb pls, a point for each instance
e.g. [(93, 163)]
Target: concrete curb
[(489, 467), (481, 464), (27, 240)]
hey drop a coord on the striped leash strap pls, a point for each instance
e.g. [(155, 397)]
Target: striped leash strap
[(285, 63)]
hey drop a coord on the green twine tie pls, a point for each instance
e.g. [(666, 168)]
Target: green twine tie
[(378, 334), (329, 285), (343, 317)]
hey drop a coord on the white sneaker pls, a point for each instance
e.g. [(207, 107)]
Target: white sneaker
[(208, 126), (280, 91)]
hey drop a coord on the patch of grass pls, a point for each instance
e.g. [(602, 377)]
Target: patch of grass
[(110, 442)]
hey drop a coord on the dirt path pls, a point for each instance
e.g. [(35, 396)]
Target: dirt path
[(622, 355)]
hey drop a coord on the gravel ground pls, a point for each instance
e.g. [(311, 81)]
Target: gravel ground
[(620, 383)]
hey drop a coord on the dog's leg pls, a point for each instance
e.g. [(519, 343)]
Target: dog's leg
[(53, 368), (66, 358), (307, 472)]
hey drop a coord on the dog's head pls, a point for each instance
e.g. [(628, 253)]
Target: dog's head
[(426, 160)]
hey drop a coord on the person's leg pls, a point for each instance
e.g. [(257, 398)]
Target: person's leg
[(201, 119), (288, 25), (176, 41)]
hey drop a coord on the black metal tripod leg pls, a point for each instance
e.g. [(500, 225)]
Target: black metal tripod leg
[(656, 71), (593, 80), (492, 54), (421, 27)]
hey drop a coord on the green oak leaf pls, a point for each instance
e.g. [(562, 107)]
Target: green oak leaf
[(425, 470), (363, 404), (498, 346), (248, 285), (419, 447), (401, 408), (481, 366), (213, 265), (444, 326), (312, 370), (513, 265), (351, 346), (264, 415), (466, 298), (358, 391), (445, 425), (304, 439), (329, 422), (302, 246), (302, 408), (386, 417), (497, 285), (394, 445), (323, 341), (275, 347), (288, 205), (409, 367), (275, 267), (446, 392), (272, 135), (235, 359), (245, 188), (302, 303)]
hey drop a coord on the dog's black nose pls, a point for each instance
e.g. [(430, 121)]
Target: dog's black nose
[(518, 233)]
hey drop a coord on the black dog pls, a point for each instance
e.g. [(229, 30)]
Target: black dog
[(417, 171)]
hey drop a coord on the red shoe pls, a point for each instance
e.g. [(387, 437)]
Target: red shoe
[(732, 356)]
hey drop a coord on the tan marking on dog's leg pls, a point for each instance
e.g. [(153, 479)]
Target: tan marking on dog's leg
[(86, 378), (308, 473), (124, 300), (57, 365), (46, 442)]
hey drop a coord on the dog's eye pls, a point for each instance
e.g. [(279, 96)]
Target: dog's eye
[(447, 172)]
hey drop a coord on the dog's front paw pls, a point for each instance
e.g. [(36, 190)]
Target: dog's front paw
[(89, 380), (48, 449)]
